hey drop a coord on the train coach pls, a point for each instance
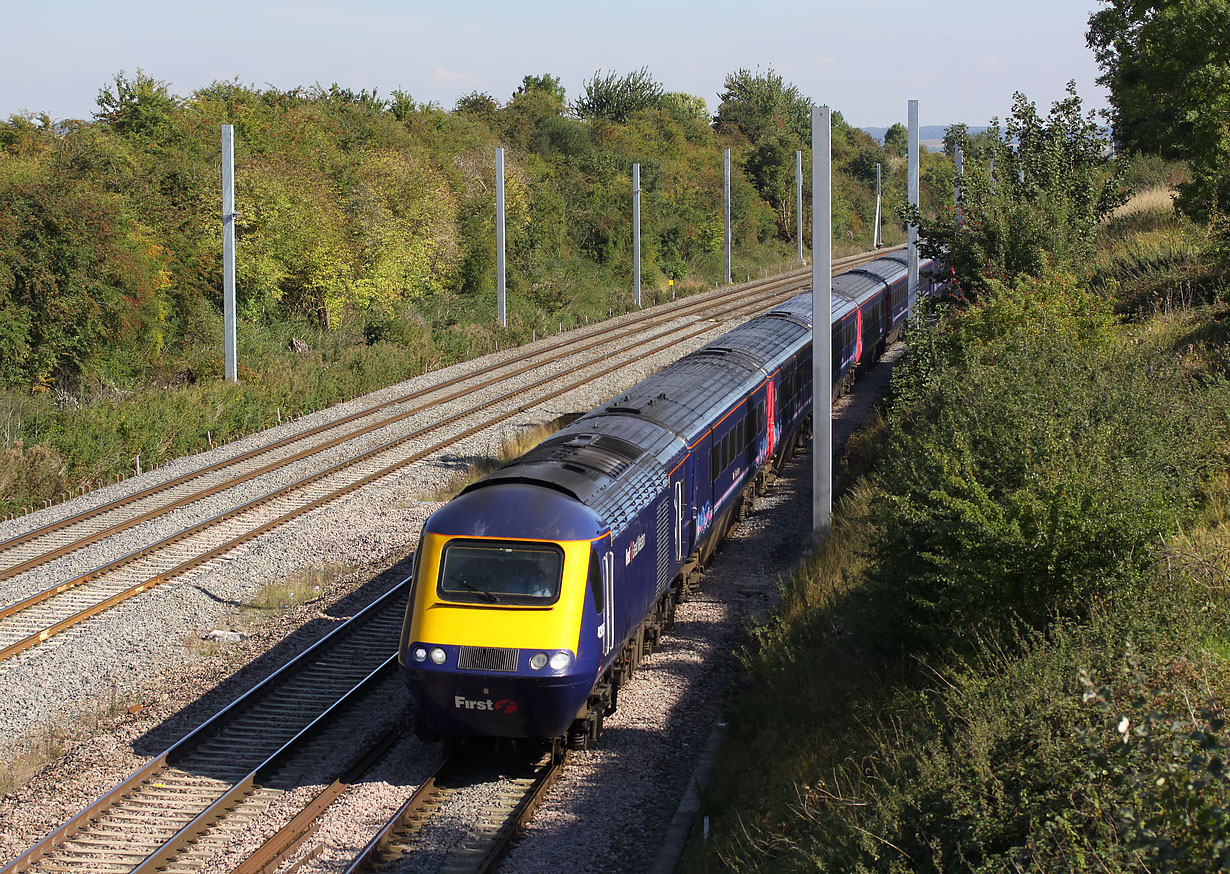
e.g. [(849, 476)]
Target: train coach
[(539, 588)]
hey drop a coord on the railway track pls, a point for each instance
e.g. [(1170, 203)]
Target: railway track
[(462, 819), (186, 808), (178, 810), (34, 619)]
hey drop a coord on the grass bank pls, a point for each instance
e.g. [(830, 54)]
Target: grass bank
[(1011, 653)]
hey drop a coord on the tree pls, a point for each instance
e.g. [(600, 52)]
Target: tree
[(613, 98), (479, 105), (955, 135), (539, 100), (142, 106), (1053, 183), (1167, 65), (770, 166), (544, 84), (685, 106), (897, 139), (758, 104), (401, 105)]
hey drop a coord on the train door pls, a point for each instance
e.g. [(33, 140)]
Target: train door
[(702, 489), (679, 515), (608, 600), (772, 428)]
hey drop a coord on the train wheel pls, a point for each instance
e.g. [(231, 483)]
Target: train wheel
[(578, 735)]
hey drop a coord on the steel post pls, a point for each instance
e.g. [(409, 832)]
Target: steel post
[(501, 314), (821, 318), (231, 367), (728, 216), (636, 234), (912, 195)]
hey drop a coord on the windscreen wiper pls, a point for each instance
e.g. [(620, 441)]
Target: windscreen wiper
[(482, 593)]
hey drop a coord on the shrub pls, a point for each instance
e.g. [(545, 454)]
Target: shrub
[(1034, 459)]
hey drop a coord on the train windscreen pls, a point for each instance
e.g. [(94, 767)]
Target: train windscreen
[(494, 572)]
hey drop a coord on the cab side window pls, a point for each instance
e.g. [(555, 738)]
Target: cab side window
[(595, 580)]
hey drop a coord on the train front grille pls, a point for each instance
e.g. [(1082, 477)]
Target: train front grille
[(487, 658)]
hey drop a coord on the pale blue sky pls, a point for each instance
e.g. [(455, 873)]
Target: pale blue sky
[(961, 59)]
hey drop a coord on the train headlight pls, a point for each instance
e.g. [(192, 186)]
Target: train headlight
[(538, 661), (438, 655), (561, 660), (420, 654)]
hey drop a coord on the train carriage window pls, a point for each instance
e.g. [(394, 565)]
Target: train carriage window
[(500, 572), (595, 580)]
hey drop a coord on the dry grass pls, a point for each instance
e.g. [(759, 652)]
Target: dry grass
[(1157, 199), (1153, 258), (838, 562), (512, 447), (300, 587), (1203, 553), (36, 750), (43, 746)]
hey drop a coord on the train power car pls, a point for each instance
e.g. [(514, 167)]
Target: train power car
[(538, 589)]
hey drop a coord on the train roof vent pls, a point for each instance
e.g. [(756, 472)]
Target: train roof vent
[(616, 446), (568, 444)]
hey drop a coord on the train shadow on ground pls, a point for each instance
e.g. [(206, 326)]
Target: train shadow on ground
[(174, 727), (646, 756), (635, 754)]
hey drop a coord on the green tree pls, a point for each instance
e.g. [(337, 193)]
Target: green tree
[(1033, 459), (142, 106), (613, 97), (1053, 183), (401, 105), (770, 165), (759, 104), (545, 84), (479, 104), (1167, 65), (955, 135), (537, 101), (685, 106), (897, 139)]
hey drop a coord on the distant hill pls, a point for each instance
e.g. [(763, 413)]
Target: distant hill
[(930, 135)]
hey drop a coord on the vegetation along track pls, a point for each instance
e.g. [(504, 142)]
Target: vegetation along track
[(29, 621), (462, 819), (176, 811)]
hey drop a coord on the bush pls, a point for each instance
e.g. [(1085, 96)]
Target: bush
[(1035, 457)]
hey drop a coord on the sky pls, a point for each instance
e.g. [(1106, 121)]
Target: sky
[(961, 59)]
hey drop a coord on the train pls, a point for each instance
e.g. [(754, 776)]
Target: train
[(536, 591)]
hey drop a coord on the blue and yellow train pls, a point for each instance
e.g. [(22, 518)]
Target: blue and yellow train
[(538, 589)]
